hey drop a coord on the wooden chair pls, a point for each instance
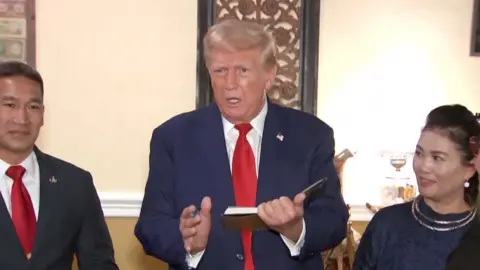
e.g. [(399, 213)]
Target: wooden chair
[(342, 256)]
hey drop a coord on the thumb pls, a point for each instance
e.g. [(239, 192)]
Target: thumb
[(206, 206), (298, 200)]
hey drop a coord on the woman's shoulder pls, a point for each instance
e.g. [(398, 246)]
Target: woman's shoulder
[(393, 212), (390, 218)]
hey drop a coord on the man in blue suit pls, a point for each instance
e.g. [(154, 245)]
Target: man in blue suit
[(242, 150)]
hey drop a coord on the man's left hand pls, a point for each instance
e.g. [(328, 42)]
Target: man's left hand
[(284, 216)]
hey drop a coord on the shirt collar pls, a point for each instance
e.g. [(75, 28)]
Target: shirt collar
[(28, 163), (257, 123)]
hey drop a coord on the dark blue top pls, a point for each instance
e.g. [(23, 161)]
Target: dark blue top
[(395, 240)]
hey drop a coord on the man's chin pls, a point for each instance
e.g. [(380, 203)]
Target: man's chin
[(20, 147), (235, 116)]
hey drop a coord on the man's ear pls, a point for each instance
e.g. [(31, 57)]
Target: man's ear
[(43, 115), (271, 74)]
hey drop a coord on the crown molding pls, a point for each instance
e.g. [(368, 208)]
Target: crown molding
[(121, 204)]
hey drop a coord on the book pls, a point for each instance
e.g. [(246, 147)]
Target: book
[(242, 219), (239, 210), (247, 219)]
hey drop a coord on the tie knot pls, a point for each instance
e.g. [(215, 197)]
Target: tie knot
[(15, 172), (244, 128)]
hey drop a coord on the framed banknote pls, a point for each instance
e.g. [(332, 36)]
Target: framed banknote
[(17, 30)]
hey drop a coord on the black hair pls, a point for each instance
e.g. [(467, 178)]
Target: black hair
[(460, 126), (17, 68)]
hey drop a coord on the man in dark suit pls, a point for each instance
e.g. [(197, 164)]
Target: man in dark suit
[(49, 209), (245, 151)]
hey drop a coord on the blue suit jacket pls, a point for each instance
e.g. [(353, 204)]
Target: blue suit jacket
[(188, 160)]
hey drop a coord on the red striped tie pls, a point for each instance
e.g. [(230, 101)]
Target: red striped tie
[(23, 215), (245, 184)]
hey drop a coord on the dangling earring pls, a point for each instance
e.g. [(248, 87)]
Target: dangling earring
[(467, 184)]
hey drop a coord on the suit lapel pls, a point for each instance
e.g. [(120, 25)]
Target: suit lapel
[(214, 137), (48, 192), (271, 156), (8, 235)]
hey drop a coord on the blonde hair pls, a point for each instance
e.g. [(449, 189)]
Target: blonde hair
[(236, 35)]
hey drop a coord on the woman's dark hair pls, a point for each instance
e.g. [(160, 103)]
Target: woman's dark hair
[(461, 127)]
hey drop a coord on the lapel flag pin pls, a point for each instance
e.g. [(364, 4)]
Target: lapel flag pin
[(53, 180), (280, 137)]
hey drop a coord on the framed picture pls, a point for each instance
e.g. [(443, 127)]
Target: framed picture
[(295, 26), (17, 31), (475, 46)]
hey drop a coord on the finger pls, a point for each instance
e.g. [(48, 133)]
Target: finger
[(299, 199), (278, 207), (298, 203), (289, 211), (186, 215), (191, 222), (206, 206), (188, 232), (271, 215), (286, 203), (276, 213), (187, 211), (262, 213), (188, 243)]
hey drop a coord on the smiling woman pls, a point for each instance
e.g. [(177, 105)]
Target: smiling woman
[(446, 177), (422, 234)]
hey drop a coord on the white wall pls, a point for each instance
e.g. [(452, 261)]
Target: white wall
[(383, 66)]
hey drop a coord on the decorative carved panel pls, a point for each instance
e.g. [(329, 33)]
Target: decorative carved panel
[(293, 23), (475, 50), (17, 30), (282, 18)]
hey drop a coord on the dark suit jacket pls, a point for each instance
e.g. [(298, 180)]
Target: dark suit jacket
[(188, 160), (70, 222), (466, 256)]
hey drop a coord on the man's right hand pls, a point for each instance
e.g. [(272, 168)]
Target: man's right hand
[(195, 228)]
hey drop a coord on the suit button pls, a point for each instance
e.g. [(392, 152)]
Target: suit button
[(239, 257)]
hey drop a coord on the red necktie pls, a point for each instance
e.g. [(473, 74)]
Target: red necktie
[(245, 184), (23, 215)]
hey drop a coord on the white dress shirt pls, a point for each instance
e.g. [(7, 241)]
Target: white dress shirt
[(31, 180), (254, 137)]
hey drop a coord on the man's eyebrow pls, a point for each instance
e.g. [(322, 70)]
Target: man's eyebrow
[(9, 98), (36, 100)]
